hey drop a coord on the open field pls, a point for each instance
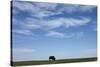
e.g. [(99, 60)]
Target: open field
[(22, 63)]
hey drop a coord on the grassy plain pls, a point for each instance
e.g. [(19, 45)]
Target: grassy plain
[(41, 62)]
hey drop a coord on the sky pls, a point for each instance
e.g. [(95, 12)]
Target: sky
[(41, 29)]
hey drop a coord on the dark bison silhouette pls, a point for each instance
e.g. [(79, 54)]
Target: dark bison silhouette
[(52, 58)]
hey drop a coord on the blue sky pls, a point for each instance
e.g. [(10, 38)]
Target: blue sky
[(62, 30)]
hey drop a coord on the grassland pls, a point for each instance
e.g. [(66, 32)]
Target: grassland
[(24, 63)]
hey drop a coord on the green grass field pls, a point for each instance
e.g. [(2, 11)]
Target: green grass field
[(24, 63)]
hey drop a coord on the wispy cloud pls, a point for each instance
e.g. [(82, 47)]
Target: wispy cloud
[(23, 32), (41, 10), (30, 24), (55, 34), (38, 10), (77, 8), (54, 23), (46, 6)]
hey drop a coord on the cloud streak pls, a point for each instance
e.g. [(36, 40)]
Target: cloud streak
[(55, 34), (41, 10), (54, 23), (23, 32), (77, 8), (39, 13)]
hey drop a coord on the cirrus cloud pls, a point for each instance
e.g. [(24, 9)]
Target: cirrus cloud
[(39, 13), (42, 10), (23, 32), (55, 23), (55, 34)]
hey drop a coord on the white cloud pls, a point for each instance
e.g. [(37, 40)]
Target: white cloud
[(69, 8), (43, 14), (23, 32), (76, 8), (49, 25), (55, 34), (55, 23), (24, 6), (38, 10), (41, 10), (87, 8), (31, 23), (46, 6), (75, 22)]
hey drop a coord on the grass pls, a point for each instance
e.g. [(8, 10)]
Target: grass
[(24, 63)]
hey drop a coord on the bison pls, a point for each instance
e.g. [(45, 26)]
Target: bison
[(52, 58)]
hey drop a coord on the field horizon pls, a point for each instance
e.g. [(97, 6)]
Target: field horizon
[(58, 61)]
